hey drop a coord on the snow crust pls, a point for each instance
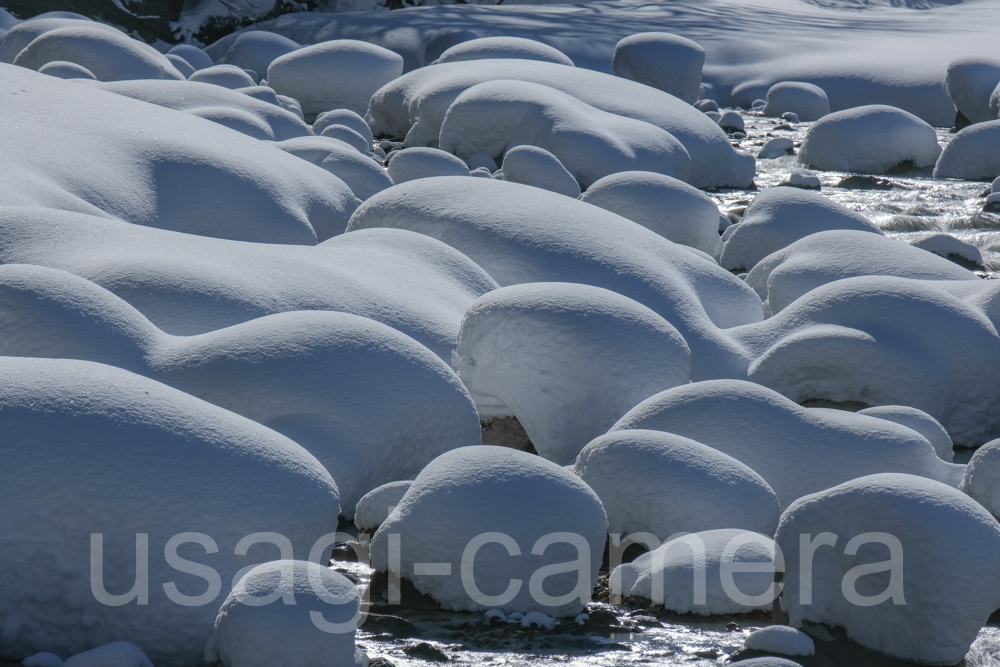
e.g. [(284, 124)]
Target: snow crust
[(490, 48), (973, 154), (805, 100), (414, 163), (376, 505), (780, 639), (668, 62), (538, 168), (362, 174)]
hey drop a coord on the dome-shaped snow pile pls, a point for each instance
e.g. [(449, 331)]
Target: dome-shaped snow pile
[(376, 505), (969, 83), (664, 484), (538, 168), (494, 116), (290, 612), (871, 139), (195, 57), (919, 421), (117, 465), (972, 154), (662, 60), (494, 528), (567, 360), (671, 208), (780, 216), (363, 175), (415, 106), (489, 48), (25, 32), (982, 477), (255, 50), (226, 76), (807, 101), (724, 571), (66, 70), (415, 163), (823, 257), (520, 234), (882, 556), (796, 450), (348, 119), (780, 639)]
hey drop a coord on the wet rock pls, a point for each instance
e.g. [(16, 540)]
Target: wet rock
[(425, 651), (381, 662), (506, 432), (390, 625), (865, 183)]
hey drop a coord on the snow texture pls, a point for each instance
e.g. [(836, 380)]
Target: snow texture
[(933, 617), (668, 62), (415, 163), (475, 490), (568, 360), (664, 484), (973, 154), (490, 48), (947, 245), (494, 116), (805, 100), (376, 505), (671, 208), (796, 450), (227, 76), (115, 654), (363, 175), (870, 139), (538, 168), (919, 421), (98, 438), (257, 49), (780, 639), (969, 83)]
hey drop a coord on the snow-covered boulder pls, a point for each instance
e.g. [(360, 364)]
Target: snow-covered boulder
[(99, 438), (363, 175), (487, 528), (195, 57), (780, 216), (775, 148), (869, 139), (969, 83), (671, 208), (25, 32), (662, 60), (493, 116), (182, 66), (347, 118), (825, 256), (257, 49), (780, 639), (520, 234), (881, 565), (342, 73), (489, 48), (919, 421), (538, 168), (415, 104), (664, 484), (982, 477), (376, 505), (115, 654), (63, 69), (731, 121), (348, 136), (796, 450), (973, 154), (227, 76), (722, 571), (807, 101), (948, 246), (287, 612), (568, 360), (416, 163)]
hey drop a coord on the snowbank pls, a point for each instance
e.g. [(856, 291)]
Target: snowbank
[(536, 167), (671, 208), (973, 154), (919, 421), (670, 63), (490, 48), (97, 438), (796, 450), (911, 609), (780, 639), (567, 360), (494, 116), (805, 100), (461, 501), (869, 139), (376, 505), (227, 76), (257, 49), (664, 484), (362, 174), (415, 163), (969, 83)]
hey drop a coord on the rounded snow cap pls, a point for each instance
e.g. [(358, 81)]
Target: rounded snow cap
[(781, 639), (807, 101), (66, 70), (412, 163), (489, 48), (227, 76), (662, 60), (539, 168)]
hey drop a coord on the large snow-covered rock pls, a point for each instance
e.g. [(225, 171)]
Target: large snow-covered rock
[(805, 100), (494, 116), (287, 612), (118, 460), (255, 50), (376, 505), (982, 477), (969, 83), (568, 360), (796, 450), (226, 76), (363, 175), (662, 60), (25, 32), (538, 168), (66, 70), (347, 118), (973, 154), (520, 234), (664, 484), (780, 216), (489, 48), (671, 208), (467, 500), (195, 57), (902, 600), (780, 639), (869, 139), (415, 104), (415, 163), (919, 421), (341, 73)]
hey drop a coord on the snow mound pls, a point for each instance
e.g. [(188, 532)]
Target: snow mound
[(25, 32), (370, 403), (236, 119), (671, 208), (670, 63), (227, 76), (475, 496), (287, 612), (362, 174), (723, 571), (195, 57), (969, 83), (780, 639), (66, 70), (796, 450), (348, 136), (870, 139), (181, 65), (881, 340), (731, 121), (947, 245), (919, 421), (109, 55), (807, 101), (342, 73), (520, 234), (538, 168), (115, 654), (347, 118), (415, 163), (257, 49), (780, 216), (973, 154), (376, 505), (982, 477), (824, 257), (664, 484), (490, 48), (494, 116), (775, 148), (426, 94), (133, 438), (568, 360), (927, 615)]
